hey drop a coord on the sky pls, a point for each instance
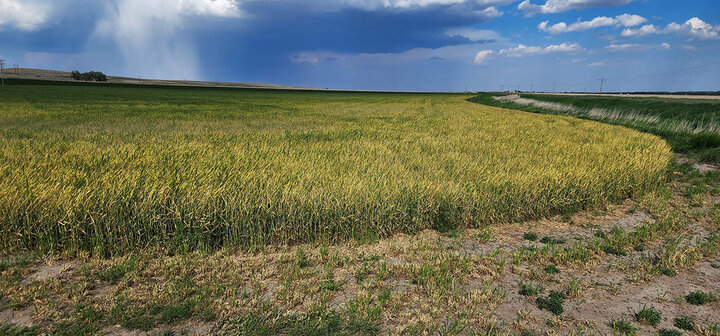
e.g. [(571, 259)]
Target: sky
[(422, 45)]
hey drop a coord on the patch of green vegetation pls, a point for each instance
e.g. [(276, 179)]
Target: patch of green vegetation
[(12, 330), (553, 302), (530, 236), (666, 271), (648, 315), (86, 321), (700, 298), (528, 289), (301, 258), (132, 315), (116, 272), (623, 326), (669, 332), (330, 285), (483, 235), (684, 322), (551, 269), (269, 320), (551, 240)]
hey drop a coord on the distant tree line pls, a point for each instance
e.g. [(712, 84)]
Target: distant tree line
[(92, 76)]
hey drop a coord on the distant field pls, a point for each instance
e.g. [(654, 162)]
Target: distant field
[(115, 169), (690, 126)]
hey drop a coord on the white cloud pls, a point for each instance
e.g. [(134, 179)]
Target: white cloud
[(24, 14), (482, 9), (642, 31), (482, 55), (522, 50), (145, 32), (453, 53), (378, 4), (624, 20), (559, 6), (475, 34), (695, 28), (636, 47), (597, 64)]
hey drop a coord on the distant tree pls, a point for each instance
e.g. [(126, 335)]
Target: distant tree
[(92, 76)]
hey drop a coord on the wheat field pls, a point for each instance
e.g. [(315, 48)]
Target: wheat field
[(113, 169)]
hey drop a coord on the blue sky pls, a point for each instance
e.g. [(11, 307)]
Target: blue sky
[(430, 45)]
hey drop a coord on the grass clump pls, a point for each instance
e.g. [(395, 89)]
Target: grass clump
[(551, 240), (12, 330), (188, 169), (623, 326), (669, 332), (699, 298), (649, 316), (551, 269), (528, 289), (684, 322), (553, 302), (530, 236)]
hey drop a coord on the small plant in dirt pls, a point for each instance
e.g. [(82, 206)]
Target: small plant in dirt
[(12, 330), (116, 272), (648, 315), (613, 249), (527, 289), (330, 285), (600, 234), (684, 323), (700, 298), (553, 302), (669, 332), (483, 235), (551, 269), (623, 326), (573, 287), (301, 258), (527, 333), (551, 240), (666, 271), (639, 247), (711, 330), (530, 236)]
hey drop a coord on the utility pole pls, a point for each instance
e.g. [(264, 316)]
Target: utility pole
[(602, 81), (502, 88), (2, 72), (518, 89), (554, 86), (17, 69), (531, 87)]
